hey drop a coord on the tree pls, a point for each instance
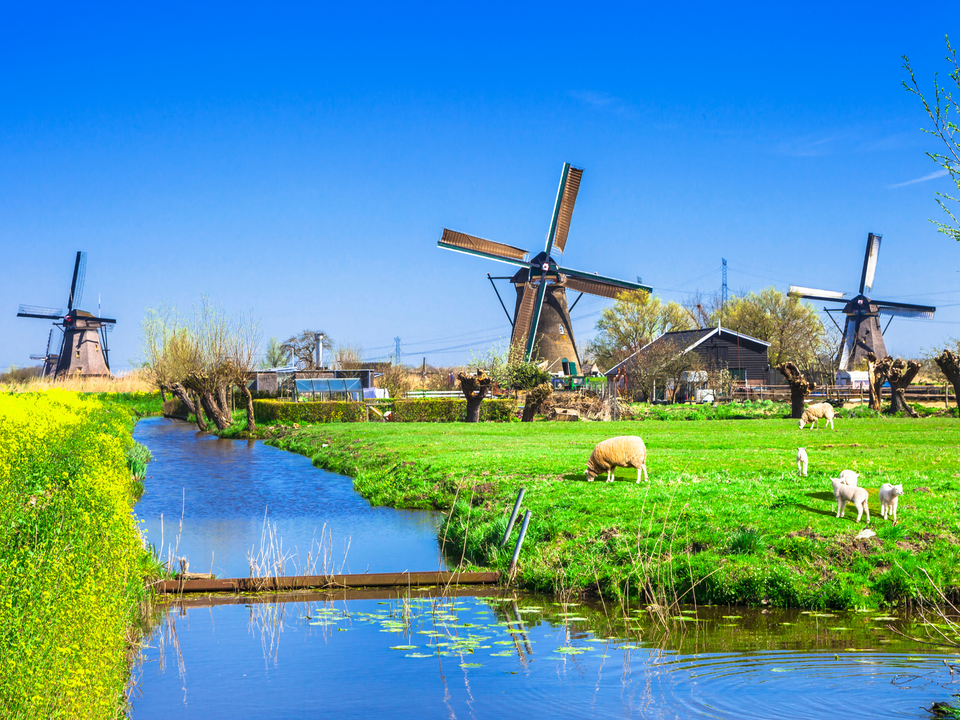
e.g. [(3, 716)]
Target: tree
[(663, 362), (944, 128), (792, 327), (475, 389), (636, 319), (275, 356), (949, 364), (302, 348), (200, 359), (799, 387)]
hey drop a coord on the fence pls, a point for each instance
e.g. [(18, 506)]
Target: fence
[(846, 393)]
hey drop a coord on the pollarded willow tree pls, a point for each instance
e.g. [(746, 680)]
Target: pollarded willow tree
[(201, 357)]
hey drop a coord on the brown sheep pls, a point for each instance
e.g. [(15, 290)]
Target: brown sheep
[(623, 451)]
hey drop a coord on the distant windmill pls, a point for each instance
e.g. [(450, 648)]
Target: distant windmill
[(49, 359), (83, 348), (861, 333), (541, 321)]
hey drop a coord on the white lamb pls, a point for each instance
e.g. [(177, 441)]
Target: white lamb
[(845, 493), (889, 496), (623, 451), (802, 462), (812, 413), (849, 477)]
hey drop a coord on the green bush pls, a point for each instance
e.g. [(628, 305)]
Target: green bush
[(267, 411), (451, 410)]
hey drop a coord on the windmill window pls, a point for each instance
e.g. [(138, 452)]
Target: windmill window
[(78, 353), (561, 330)]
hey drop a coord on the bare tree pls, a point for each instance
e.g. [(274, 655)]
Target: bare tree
[(302, 348), (949, 365), (663, 362), (475, 389), (799, 387)]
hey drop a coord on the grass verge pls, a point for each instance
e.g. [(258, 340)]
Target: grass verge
[(725, 519)]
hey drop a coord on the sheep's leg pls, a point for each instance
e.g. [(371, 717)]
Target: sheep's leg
[(866, 509), (611, 474), (893, 507), (840, 504)]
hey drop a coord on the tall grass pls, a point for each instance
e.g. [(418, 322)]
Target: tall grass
[(72, 560), (131, 382)]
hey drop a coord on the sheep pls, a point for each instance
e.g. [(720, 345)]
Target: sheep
[(845, 493), (849, 477), (623, 451), (889, 496), (812, 413), (802, 462)]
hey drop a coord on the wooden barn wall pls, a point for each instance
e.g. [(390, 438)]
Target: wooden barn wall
[(753, 361)]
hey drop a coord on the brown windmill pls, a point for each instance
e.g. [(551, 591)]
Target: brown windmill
[(83, 349), (542, 328), (861, 332)]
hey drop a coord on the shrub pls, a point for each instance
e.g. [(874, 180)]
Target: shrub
[(267, 411), (451, 410)]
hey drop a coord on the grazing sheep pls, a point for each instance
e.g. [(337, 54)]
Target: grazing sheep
[(802, 462), (849, 477), (812, 413), (889, 496), (623, 451), (845, 493)]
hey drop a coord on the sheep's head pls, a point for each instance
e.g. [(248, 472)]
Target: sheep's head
[(802, 423), (590, 475)]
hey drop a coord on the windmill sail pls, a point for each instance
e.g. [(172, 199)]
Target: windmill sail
[(592, 284), (870, 263), (524, 317), (563, 210), (79, 274), (924, 312), (814, 294), (44, 313), (461, 242)]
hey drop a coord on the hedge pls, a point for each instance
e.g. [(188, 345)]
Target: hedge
[(309, 412), (451, 410)]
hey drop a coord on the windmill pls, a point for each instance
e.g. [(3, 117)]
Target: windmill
[(49, 360), (861, 333), (83, 348), (541, 320)]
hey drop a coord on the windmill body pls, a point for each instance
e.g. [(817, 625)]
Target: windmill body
[(83, 349), (542, 328), (861, 331)]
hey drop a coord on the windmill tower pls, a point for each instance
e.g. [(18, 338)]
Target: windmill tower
[(541, 322), (861, 332), (83, 349)]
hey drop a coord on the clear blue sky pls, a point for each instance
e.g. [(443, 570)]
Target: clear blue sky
[(302, 160)]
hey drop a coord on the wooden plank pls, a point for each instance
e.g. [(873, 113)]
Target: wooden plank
[(305, 582)]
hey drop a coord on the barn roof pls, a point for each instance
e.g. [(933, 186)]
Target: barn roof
[(690, 339)]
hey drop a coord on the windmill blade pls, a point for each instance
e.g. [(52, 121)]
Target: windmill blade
[(79, 274), (563, 208), (594, 284), (602, 288), (906, 310), (38, 357), (813, 294), (535, 319), (849, 341), (49, 340), (521, 323), (870, 262), (44, 313), (471, 245)]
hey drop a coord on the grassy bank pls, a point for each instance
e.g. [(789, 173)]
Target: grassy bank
[(724, 519), (71, 560)]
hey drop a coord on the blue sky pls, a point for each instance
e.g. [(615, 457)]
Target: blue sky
[(301, 161)]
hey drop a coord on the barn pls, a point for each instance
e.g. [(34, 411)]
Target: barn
[(743, 356)]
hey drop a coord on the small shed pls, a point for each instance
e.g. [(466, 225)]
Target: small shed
[(743, 356)]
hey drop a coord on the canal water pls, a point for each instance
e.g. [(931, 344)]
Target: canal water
[(478, 655)]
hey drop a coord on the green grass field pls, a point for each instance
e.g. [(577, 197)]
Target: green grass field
[(724, 516)]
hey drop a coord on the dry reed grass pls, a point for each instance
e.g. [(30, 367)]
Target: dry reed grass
[(130, 382)]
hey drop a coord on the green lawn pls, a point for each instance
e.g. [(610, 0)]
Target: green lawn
[(724, 511)]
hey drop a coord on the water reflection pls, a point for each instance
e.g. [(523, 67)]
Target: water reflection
[(231, 493), (361, 654)]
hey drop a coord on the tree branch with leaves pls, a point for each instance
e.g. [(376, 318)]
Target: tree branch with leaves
[(941, 111)]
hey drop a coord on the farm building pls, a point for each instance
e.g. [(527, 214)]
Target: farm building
[(743, 356)]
